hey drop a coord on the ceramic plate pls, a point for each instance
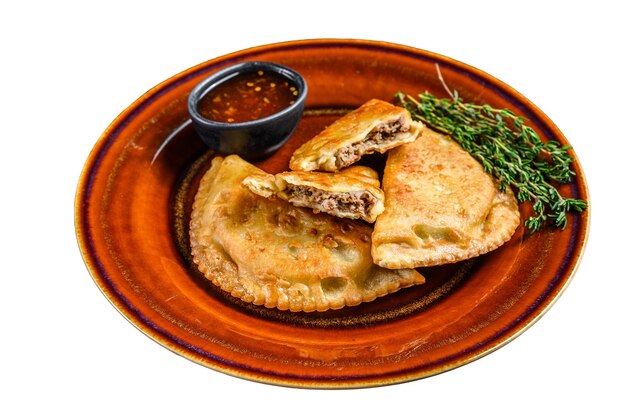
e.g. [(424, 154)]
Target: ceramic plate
[(132, 211)]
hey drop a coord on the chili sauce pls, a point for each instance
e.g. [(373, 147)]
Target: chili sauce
[(247, 96)]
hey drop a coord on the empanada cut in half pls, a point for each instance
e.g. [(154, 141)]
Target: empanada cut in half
[(376, 126), (268, 252), (441, 206), (353, 193)]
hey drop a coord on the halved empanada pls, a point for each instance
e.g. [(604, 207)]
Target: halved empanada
[(376, 126), (268, 252), (441, 206), (350, 195)]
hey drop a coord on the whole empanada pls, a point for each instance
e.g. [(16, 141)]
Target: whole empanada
[(351, 195), (441, 206), (270, 253), (376, 126)]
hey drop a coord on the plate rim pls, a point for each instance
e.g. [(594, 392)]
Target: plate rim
[(125, 308)]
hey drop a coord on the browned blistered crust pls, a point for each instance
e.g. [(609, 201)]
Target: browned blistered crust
[(353, 194), (376, 126), (268, 252), (441, 206)]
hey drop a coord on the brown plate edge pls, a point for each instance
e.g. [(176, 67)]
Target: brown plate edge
[(205, 358)]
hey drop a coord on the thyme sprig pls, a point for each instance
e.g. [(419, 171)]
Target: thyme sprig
[(508, 149)]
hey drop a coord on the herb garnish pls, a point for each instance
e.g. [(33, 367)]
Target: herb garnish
[(507, 148)]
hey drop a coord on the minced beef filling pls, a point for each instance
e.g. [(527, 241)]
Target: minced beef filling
[(380, 134), (356, 201)]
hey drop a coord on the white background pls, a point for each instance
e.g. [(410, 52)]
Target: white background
[(69, 68)]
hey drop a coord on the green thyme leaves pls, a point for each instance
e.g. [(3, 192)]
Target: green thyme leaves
[(508, 149)]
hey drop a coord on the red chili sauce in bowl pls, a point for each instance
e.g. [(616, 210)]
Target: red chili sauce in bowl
[(247, 96)]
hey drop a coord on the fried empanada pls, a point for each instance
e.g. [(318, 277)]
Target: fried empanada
[(376, 126), (441, 206), (354, 194), (268, 252)]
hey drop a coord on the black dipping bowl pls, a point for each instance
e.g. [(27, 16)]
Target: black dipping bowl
[(252, 139)]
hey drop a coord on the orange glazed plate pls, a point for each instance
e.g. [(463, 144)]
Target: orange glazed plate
[(132, 214)]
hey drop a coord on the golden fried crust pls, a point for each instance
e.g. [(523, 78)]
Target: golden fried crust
[(441, 206), (268, 252), (362, 173), (323, 152), (324, 190)]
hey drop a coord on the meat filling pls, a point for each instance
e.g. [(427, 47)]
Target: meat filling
[(358, 202), (382, 133)]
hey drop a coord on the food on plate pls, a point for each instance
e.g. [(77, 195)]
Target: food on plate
[(507, 148), (362, 173), (441, 206), (354, 194), (295, 240), (247, 96), (376, 126), (271, 253)]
